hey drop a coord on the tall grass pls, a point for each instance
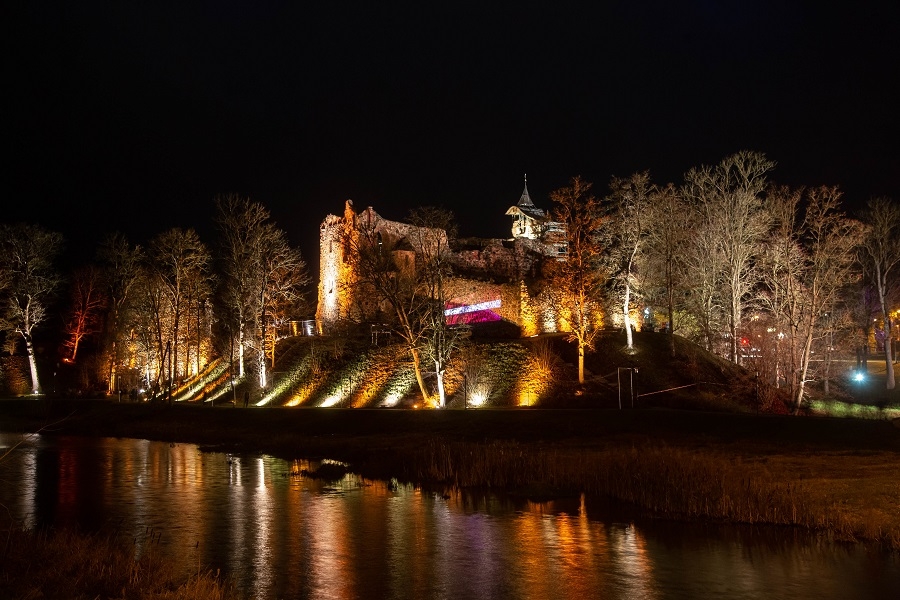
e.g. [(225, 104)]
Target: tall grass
[(66, 564), (838, 408), (669, 482)]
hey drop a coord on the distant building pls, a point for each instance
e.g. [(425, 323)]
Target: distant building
[(531, 222)]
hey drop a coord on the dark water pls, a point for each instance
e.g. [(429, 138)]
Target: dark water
[(284, 536)]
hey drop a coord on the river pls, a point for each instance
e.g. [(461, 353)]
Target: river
[(283, 535)]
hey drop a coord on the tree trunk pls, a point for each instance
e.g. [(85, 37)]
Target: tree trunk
[(671, 328), (886, 322), (629, 343), (888, 353), (735, 354), (804, 369), (417, 365), (261, 365), (439, 372), (581, 362), (32, 364), (241, 351), (173, 358), (263, 379)]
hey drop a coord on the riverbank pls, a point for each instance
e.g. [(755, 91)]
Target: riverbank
[(41, 564), (832, 475)]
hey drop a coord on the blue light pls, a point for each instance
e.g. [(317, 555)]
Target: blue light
[(858, 376)]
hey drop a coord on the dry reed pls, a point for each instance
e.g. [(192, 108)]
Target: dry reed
[(674, 483), (66, 564)]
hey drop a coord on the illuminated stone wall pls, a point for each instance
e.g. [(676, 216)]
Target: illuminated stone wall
[(487, 271), (505, 260), (469, 292), (336, 276)]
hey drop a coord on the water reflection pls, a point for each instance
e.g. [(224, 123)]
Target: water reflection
[(285, 536)]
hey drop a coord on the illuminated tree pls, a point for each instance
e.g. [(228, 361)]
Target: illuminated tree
[(241, 223), (179, 262), (197, 323), (881, 251), (398, 276), (282, 289), (704, 268), (149, 324), (732, 222), (121, 264), (433, 230), (781, 289), (578, 278), (810, 261), (262, 279), (627, 227), (27, 253), (667, 245), (85, 314)]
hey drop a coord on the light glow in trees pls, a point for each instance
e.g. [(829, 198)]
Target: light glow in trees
[(809, 262), (121, 267), (881, 260), (433, 228), (668, 240), (180, 263), (261, 280), (398, 276), (628, 212), (577, 278), (731, 214), (88, 302), (27, 253)]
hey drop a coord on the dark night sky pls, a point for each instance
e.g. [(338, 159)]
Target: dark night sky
[(134, 117)]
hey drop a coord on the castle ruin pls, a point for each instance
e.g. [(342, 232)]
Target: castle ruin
[(499, 281)]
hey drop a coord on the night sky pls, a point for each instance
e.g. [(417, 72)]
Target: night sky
[(134, 117)]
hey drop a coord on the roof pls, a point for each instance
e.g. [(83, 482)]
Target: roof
[(525, 199), (526, 206)]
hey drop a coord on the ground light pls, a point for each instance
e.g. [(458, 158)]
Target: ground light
[(859, 376)]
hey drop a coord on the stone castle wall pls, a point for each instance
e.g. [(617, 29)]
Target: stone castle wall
[(485, 270)]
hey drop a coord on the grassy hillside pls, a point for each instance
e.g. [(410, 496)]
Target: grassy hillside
[(500, 373)]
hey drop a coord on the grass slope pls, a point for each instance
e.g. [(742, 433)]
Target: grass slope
[(352, 372)]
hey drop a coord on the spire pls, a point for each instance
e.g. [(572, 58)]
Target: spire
[(525, 199)]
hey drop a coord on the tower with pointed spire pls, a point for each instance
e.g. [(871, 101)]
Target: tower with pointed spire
[(532, 223), (528, 219)]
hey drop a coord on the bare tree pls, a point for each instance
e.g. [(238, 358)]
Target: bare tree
[(578, 278), (667, 243), (881, 249), (120, 263), (628, 212), (27, 253), (811, 261), (399, 271), (386, 274), (434, 228), (262, 279), (728, 199), (704, 266), (282, 287), (150, 325), (181, 263), (85, 313), (242, 226), (780, 270), (197, 322)]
